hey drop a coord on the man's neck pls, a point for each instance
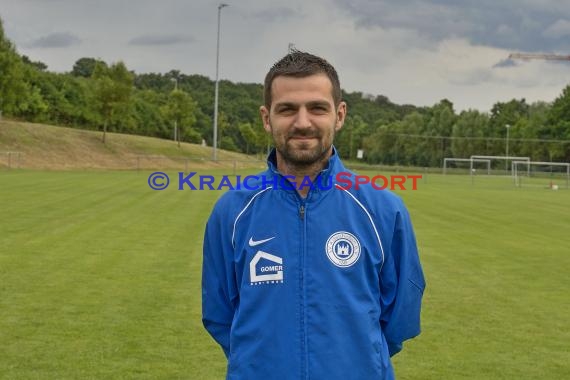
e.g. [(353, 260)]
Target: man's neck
[(300, 172)]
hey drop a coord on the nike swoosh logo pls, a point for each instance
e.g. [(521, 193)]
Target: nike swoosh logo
[(253, 243)]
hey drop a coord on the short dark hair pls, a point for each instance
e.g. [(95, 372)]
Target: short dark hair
[(299, 64)]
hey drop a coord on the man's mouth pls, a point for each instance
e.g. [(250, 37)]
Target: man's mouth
[(303, 137)]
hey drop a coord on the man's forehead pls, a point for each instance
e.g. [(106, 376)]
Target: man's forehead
[(286, 88)]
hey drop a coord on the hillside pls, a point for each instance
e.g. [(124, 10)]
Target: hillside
[(49, 147)]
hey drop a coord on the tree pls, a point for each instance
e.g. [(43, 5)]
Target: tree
[(379, 147), (34, 105), (84, 67), (560, 110), (507, 113), (149, 118), (503, 114), (228, 143), (559, 125), (349, 138), (442, 118), (181, 109), (263, 138), (469, 129), (38, 65), (113, 86), (249, 136), (13, 89), (223, 131)]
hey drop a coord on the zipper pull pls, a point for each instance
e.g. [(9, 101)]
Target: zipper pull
[(302, 212)]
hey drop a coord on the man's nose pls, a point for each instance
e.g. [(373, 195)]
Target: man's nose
[(303, 118)]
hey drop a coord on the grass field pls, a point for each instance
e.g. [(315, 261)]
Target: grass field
[(100, 279), (48, 147)]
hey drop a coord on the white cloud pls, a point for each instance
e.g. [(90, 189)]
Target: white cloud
[(412, 51), (561, 28)]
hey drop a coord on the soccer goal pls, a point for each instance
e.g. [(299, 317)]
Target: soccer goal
[(551, 175), (472, 164), (504, 158)]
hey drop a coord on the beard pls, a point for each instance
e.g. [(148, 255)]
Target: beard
[(302, 153)]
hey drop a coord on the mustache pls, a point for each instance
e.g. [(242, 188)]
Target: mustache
[(303, 132)]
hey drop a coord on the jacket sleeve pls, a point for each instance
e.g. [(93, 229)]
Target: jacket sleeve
[(402, 285), (219, 290)]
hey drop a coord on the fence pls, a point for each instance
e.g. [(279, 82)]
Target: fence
[(11, 160), (150, 162), (17, 160)]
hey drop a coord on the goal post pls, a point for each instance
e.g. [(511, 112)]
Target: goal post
[(563, 172), (506, 158), (470, 160)]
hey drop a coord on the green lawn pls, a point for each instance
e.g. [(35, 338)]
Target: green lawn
[(100, 279)]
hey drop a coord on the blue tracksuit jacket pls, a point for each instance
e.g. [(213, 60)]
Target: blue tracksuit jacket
[(326, 287)]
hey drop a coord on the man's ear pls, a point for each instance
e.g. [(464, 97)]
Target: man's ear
[(264, 112), (340, 115)]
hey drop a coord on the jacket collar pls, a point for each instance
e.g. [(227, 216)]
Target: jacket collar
[(324, 181)]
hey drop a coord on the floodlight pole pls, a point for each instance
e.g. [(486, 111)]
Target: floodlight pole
[(507, 151), (175, 80), (215, 142)]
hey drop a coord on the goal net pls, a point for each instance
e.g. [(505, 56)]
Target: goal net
[(506, 160), (469, 166), (553, 175)]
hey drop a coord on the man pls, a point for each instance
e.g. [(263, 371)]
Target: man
[(309, 282)]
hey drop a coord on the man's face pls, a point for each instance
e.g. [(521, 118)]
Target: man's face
[(303, 118)]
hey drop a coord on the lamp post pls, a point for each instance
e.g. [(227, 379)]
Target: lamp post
[(507, 150), (215, 142), (175, 80)]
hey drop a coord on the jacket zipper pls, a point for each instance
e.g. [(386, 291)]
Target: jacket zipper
[(304, 351)]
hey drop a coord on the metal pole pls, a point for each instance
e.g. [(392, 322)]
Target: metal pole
[(215, 142), (176, 134), (507, 152), (175, 80)]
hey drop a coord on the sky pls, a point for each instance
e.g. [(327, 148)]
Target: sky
[(413, 52)]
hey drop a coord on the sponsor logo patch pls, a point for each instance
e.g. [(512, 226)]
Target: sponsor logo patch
[(343, 249), (265, 268)]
